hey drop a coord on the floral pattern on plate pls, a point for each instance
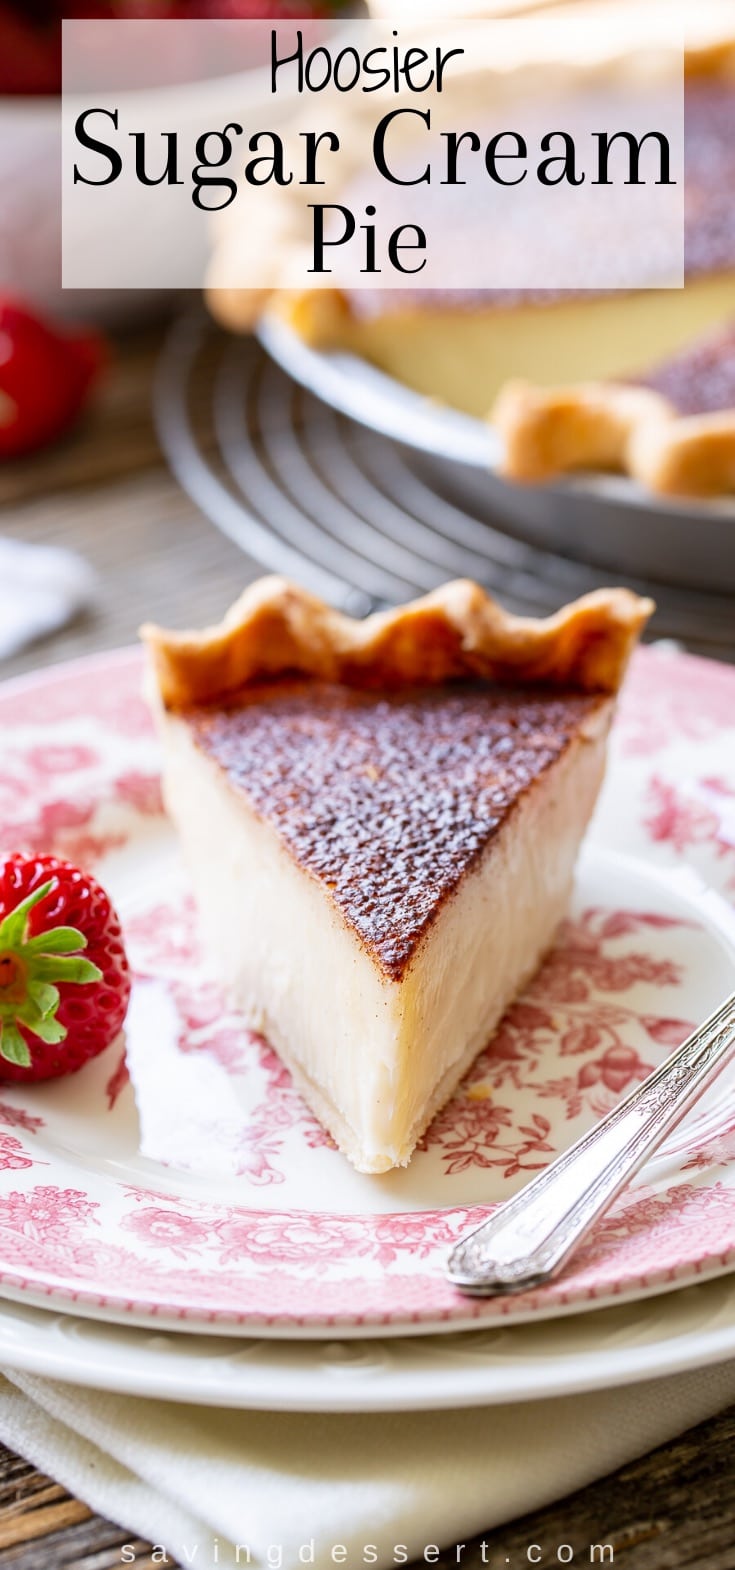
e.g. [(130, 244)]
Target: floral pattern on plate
[(185, 1179)]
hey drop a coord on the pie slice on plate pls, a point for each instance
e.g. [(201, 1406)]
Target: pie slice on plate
[(381, 821)]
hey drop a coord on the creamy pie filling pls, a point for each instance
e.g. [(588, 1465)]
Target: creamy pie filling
[(386, 873), (464, 355)]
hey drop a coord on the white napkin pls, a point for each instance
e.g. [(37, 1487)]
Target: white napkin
[(41, 588), (291, 1488)]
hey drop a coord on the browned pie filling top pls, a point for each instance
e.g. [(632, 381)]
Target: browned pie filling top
[(709, 233), (389, 799), (700, 380)]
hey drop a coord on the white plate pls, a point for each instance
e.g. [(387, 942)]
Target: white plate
[(607, 520), (612, 1347), (200, 1192)]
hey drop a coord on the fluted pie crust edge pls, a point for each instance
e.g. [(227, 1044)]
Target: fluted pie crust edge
[(614, 427), (458, 631)]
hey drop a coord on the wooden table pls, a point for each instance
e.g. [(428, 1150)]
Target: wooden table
[(107, 493)]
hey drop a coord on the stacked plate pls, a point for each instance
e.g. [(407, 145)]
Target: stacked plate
[(174, 1222)]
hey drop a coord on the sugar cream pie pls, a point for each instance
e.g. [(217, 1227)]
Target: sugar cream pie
[(559, 373), (462, 346), (381, 821)]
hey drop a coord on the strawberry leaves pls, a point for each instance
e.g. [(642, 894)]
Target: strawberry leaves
[(30, 968)]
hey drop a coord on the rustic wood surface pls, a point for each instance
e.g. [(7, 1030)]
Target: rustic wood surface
[(106, 492)]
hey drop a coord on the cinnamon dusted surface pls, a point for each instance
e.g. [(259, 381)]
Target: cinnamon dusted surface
[(709, 223), (709, 233), (389, 799), (701, 380)]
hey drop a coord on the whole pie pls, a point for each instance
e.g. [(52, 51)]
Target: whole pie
[(559, 374), (381, 821)]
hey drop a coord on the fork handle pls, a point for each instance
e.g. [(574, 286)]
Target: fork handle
[(528, 1240)]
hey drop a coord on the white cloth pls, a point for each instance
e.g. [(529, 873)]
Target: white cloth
[(201, 1481), (41, 588)]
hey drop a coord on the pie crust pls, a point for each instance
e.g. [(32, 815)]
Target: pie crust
[(550, 431), (457, 631)]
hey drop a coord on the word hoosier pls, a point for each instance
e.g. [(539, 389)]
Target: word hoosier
[(384, 66)]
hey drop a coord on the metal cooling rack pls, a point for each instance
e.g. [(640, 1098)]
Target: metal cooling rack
[(309, 493)]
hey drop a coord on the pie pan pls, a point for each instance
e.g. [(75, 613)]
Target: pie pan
[(608, 521)]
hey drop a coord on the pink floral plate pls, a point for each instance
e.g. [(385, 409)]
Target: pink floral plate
[(180, 1177)]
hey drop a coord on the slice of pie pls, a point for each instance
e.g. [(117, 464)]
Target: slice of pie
[(381, 821)]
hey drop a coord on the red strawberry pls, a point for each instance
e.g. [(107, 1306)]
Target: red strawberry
[(246, 10), (58, 1007), (30, 55), (30, 35), (45, 377), (30, 41)]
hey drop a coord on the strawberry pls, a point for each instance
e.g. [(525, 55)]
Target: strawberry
[(64, 975), (30, 41), (45, 378), (30, 33), (30, 53)]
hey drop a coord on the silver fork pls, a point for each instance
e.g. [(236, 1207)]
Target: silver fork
[(529, 1240)]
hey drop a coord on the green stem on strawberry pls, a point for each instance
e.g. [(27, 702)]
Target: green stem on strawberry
[(29, 969)]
